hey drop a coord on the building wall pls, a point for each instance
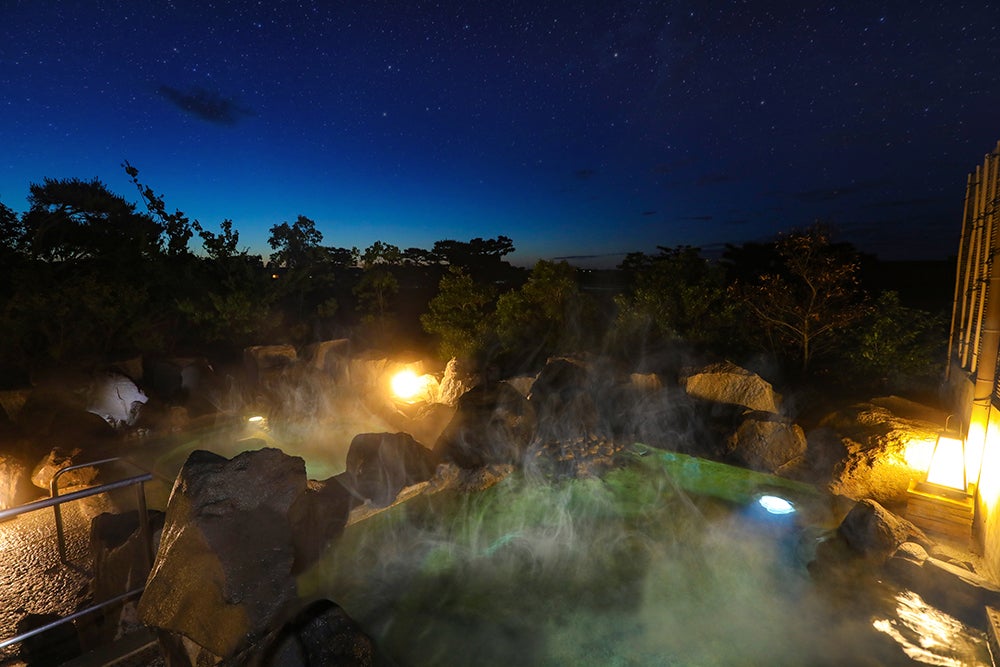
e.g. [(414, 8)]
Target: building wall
[(974, 349)]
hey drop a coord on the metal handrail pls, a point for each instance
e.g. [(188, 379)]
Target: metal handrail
[(54, 501), (140, 499)]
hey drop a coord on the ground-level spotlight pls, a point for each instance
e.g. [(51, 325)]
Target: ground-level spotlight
[(408, 386)]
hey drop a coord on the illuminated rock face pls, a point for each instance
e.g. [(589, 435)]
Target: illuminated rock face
[(116, 399), (731, 384), (763, 442)]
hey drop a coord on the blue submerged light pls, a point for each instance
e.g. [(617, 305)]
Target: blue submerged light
[(776, 505)]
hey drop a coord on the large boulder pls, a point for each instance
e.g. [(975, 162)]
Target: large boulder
[(875, 532), (379, 465), (730, 384), (116, 399), (564, 402), (876, 437), (223, 578), (766, 442), (121, 564), (492, 424)]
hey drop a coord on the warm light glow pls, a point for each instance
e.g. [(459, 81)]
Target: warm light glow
[(974, 445), (948, 464), (407, 385), (918, 454), (776, 505)]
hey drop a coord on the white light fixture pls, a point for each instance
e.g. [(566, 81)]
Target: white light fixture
[(776, 505)]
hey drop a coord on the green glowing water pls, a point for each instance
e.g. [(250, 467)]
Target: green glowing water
[(666, 561)]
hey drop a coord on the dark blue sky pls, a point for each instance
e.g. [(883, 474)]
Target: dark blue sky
[(576, 128)]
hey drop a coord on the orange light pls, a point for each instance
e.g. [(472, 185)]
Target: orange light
[(407, 385), (947, 466)]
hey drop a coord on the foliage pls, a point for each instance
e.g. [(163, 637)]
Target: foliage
[(808, 303), (895, 347), (460, 315), (176, 226), (237, 312), (223, 245), (675, 294), (71, 220), (547, 314), (294, 245), (55, 316)]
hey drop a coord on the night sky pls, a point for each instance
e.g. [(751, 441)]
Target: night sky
[(579, 129)]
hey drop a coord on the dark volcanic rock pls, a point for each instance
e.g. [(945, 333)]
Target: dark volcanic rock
[(492, 424), (563, 401), (874, 531), (379, 465), (121, 564), (223, 573), (58, 459), (321, 635)]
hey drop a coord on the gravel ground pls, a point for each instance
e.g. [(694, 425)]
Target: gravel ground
[(32, 578)]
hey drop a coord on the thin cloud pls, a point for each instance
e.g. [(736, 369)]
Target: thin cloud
[(205, 104)]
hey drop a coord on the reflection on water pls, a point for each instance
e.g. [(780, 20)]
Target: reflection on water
[(617, 571), (930, 636), (624, 570)]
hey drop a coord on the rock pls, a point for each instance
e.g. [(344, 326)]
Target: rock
[(874, 461), (266, 362), (728, 383), (115, 399), (175, 380), (321, 635), (53, 647), (16, 487), (453, 384), (121, 564), (522, 383), (222, 579), (316, 518), (492, 424), (12, 401), (564, 402), (56, 460), (765, 442), (379, 465), (875, 532), (329, 357)]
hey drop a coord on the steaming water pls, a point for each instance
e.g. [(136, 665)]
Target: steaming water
[(624, 570), (621, 571)]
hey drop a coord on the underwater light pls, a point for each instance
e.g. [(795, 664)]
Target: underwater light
[(776, 505)]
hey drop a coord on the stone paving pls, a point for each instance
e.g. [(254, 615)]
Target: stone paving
[(32, 578)]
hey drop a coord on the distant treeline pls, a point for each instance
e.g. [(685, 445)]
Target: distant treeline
[(88, 276)]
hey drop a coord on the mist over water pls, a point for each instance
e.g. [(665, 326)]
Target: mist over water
[(616, 571), (626, 569)]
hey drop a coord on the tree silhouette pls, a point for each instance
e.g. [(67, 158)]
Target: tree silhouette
[(813, 297)]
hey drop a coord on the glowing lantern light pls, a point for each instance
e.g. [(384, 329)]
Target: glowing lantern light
[(776, 505), (947, 467), (407, 385)]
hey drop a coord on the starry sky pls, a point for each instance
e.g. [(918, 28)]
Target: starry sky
[(581, 129)]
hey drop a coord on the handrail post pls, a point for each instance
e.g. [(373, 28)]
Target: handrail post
[(147, 537)]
